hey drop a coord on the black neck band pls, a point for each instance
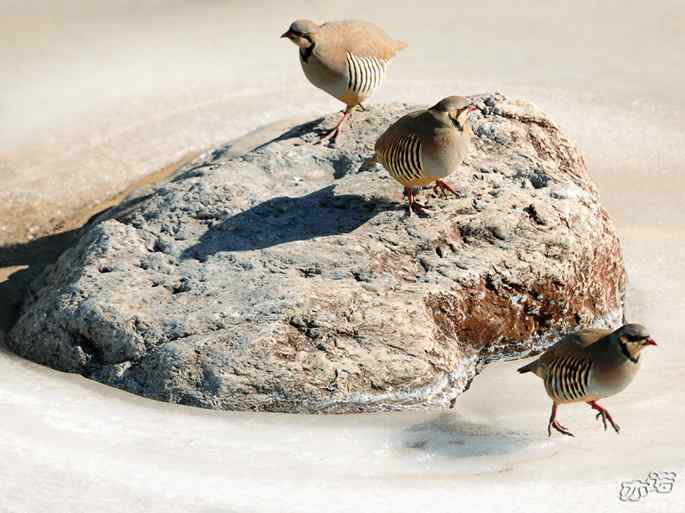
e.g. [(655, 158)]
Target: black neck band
[(628, 355), (306, 53), (458, 125)]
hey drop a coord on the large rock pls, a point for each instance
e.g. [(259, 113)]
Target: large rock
[(286, 279)]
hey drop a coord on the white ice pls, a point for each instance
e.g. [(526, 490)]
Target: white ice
[(93, 96)]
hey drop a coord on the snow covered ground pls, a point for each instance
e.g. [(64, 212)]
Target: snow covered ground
[(93, 97)]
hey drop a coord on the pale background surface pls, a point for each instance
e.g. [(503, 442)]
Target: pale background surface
[(93, 97)]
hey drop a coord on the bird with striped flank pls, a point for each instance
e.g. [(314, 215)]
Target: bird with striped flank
[(589, 365), (426, 146), (346, 59)]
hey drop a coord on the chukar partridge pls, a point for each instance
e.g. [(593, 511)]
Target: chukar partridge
[(346, 59), (589, 365), (425, 146)]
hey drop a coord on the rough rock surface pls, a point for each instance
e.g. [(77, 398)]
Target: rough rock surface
[(286, 278)]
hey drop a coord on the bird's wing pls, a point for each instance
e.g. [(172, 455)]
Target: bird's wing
[(573, 344), (359, 38), (407, 125)]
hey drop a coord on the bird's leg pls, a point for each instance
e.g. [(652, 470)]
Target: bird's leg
[(441, 187), (413, 204), (337, 130), (604, 414), (554, 423)]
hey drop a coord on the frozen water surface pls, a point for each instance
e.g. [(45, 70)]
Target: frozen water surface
[(95, 96)]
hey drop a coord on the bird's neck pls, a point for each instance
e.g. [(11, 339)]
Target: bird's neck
[(458, 125), (613, 352), (631, 355)]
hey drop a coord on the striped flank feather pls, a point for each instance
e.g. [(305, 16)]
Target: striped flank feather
[(566, 378), (402, 159), (365, 74)]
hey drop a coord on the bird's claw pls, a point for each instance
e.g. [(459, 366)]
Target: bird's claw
[(419, 209), (441, 187), (332, 135), (415, 206), (439, 192), (604, 420), (558, 427), (604, 415), (335, 132)]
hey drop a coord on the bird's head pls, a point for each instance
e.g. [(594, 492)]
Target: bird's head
[(631, 339), (302, 33), (454, 109)]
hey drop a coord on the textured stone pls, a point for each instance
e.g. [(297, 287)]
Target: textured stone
[(288, 277)]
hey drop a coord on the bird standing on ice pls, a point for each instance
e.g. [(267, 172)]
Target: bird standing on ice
[(346, 59), (589, 365), (426, 146)]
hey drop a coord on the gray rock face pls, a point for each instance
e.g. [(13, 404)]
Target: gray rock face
[(284, 278)]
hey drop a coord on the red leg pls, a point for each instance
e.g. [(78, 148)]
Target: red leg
[(337, 130), (554, 423), (441, 187), (605, 416), (413, 204)]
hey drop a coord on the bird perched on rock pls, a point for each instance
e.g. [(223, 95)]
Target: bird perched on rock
[(426, 146), (346, 59), (589, 365)]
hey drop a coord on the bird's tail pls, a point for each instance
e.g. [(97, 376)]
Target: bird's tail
[(529, 367), (400, 45)]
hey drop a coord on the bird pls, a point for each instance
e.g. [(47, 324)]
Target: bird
[(426, 146), (346, 59), (589, 365)]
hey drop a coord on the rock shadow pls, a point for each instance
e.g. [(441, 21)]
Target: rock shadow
[(452, 436), (286, 219), (33, 257), (30, 258)]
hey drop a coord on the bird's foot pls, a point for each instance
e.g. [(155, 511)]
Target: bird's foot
[(419, 208), (604, 415), (334, 133), (415, 206), (557, 426), (440, 187), (554, 423)]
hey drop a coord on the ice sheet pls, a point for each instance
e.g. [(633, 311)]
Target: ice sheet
[(93, 97)]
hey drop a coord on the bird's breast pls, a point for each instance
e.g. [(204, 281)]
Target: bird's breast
[(608, 381), (444, 154), (324, 77)]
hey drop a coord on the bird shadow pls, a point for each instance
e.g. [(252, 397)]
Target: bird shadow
[(453, 436), (286, 219), (298, 131)]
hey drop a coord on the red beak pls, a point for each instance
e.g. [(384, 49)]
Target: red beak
[(650, 342), (287, 34)]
